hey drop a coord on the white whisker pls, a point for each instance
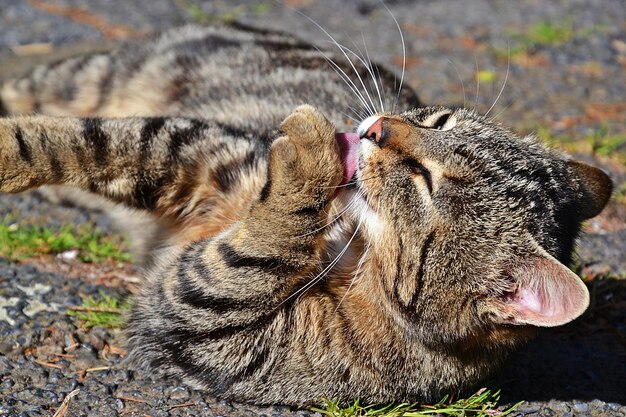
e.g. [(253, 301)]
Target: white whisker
[(506, 78), (503, 110), (368, 65), (320, 27), (343, 49), (371, 73), (348, 82), (326, 270), (360, 114), (456, 69), (403, 54), (345, 209), (382, 86), (477, 82), (356, 273), (352, 182), (354, 119), (380, 80)]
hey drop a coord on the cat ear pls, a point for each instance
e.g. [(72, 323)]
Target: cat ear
[(546, 294), (596, 188)]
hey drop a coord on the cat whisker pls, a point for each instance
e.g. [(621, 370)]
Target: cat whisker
[(341, 213), (345, 49), (350, 117), (382, 86), (380, 80), (369, 108), (355, 276), (328, 268), (477, 82), (361, 260), (458, 74), (358, 113), (403, 54), (346, 79), (368, 65), (373, 177), (351, 182), (506, 78), (371, 73), (320, 27), (503, 110)]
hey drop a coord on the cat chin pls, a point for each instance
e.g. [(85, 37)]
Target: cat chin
[(366, 218)]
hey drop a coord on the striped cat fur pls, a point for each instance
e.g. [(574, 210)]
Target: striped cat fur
[(275, 281)]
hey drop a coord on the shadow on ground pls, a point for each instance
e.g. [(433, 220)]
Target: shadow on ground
[(585, 360)]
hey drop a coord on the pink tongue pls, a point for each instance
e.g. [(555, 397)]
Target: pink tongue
[(349, 148)]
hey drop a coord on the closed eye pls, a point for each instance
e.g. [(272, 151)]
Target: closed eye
[(443, 120), (419, 169)]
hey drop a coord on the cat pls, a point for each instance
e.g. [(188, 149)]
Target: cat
[(303, 258)]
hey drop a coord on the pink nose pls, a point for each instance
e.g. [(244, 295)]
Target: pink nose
[(375, 131)]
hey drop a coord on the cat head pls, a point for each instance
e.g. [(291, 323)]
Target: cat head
[(472, 225)]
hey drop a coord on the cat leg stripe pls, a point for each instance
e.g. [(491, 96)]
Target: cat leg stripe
[(25, 149), (190, 291), (234, 259), (96, 139), (56, 169), (149, 131), (181, 137), (227, 175)]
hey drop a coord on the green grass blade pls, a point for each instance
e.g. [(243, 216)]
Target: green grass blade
[(482, 404)]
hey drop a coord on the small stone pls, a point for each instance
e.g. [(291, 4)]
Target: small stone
[(179, 393), (68, 256), (119, 404), (580, 407), (96, 340), (50, 396), (6, 384)]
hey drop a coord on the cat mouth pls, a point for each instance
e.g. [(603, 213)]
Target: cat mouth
[(349, 153)]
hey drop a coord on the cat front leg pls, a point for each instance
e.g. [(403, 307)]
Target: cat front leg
[(156, 164), (278, 241), (304, 171), (220, 310), (103, 156)]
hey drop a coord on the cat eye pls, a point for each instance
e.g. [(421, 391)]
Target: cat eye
[(443, 120), (419, 169)]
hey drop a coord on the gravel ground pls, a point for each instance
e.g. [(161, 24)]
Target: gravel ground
[(569, 88)]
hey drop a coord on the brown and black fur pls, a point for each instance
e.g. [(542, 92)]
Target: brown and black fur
[(450, 219)]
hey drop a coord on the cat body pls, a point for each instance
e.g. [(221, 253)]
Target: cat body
[(392, 264)]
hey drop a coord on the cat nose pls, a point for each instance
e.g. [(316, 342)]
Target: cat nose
[(372, 128)]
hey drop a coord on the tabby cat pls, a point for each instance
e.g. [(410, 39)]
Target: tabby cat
[(395, 263)]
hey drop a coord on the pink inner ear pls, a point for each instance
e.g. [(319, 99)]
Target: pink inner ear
[(532, 301), (547, 294), (541, 307)]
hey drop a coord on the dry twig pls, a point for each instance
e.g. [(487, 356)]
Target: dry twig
[(97, 309), (84, 16), (65, 404), (135, 400), (48, 364), (169, 407)]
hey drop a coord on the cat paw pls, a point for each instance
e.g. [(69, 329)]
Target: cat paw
[(307, 126), (306, 163)]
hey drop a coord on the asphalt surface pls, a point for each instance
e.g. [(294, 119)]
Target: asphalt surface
[(570, 82)]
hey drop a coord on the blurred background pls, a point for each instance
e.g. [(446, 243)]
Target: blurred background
[(554, 68)]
